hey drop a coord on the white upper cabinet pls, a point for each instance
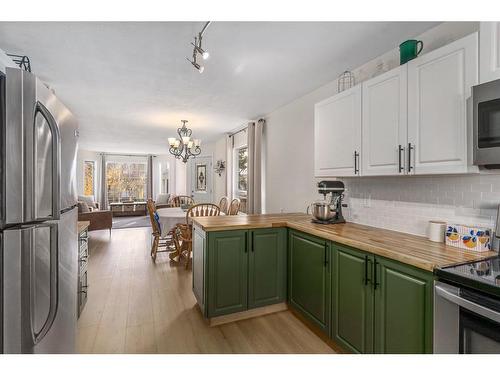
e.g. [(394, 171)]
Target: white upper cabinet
[(489, 49), (384, 129), (337, 134), (439, 84)]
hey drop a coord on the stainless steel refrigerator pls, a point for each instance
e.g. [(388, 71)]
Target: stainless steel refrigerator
[(38, 218)]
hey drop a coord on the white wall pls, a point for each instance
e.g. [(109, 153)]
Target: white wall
[(220, 182), (290, 182), (180, 178), (5, 61)]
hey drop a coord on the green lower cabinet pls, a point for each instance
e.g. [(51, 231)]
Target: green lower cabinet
[(227, 272), (245, 269), (266, 267), (403, 309), (380, 305), (309, 278), (352, 312)]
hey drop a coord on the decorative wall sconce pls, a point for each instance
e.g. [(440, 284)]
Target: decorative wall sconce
[(220, 167)]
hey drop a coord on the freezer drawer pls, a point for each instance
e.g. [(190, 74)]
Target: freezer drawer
[(39, 299)]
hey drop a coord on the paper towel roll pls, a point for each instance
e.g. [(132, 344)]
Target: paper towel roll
[(435, 231)]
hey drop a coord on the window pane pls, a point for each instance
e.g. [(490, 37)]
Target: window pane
[(88, 178), (242, 169), (126, 181)]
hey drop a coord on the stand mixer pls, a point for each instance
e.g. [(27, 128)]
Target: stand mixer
[(329, 211)]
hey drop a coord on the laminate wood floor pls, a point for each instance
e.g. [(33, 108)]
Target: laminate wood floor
[(137, 306)]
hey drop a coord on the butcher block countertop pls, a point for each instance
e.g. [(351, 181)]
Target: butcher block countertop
[(82, 225), (406, 248)]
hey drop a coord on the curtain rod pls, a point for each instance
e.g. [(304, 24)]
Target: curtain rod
[(130, 155), (243, 127)]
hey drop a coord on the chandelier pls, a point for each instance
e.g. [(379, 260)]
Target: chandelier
[(184, 147)]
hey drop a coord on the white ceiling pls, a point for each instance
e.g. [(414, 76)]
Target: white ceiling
[(129, 83)]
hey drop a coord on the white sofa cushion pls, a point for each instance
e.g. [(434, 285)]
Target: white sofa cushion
[(89, 199), (162, 198)]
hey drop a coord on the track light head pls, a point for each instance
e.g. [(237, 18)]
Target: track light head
[(198, 67), (204, 54)]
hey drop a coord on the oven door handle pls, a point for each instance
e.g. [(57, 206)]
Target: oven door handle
[(466, 304)]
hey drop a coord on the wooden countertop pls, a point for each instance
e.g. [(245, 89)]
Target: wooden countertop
[(406, 248), (82, 225)]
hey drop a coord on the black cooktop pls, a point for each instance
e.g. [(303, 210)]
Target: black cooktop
[(482, 275)]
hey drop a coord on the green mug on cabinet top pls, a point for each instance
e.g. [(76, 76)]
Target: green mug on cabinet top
[(409, 49)]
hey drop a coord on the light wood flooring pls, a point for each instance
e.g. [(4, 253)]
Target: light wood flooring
[(137, 306)]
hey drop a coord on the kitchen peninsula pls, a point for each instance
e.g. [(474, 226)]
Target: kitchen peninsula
[(367, 289)]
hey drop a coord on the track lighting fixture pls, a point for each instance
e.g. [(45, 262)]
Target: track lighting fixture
[(199, 50)]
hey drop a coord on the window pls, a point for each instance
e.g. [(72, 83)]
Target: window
[(88, 178), (126, 181), (240, 167), (163, 173)]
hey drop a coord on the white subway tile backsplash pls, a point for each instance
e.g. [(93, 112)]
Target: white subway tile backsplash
[(406, 204)]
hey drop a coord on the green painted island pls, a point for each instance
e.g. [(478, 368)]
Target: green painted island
[(358, 286)]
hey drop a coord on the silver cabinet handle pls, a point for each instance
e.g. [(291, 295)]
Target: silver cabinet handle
[(356, 162), (466, 304), (401, 168), (410, 147)]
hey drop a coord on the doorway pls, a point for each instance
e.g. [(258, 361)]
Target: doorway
[(201, 179)]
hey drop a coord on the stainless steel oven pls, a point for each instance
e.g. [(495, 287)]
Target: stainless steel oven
[(465, 320), (486, 124)]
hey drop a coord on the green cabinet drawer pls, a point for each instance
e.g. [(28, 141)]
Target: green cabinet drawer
[(266, 267), (309, 278), (227, 272)]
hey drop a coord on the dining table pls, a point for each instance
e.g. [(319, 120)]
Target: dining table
[(170, 217)]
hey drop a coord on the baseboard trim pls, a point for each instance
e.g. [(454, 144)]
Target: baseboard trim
[(259, 311)]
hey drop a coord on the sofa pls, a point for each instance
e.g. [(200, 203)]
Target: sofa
[(163, 200), (88, 210)]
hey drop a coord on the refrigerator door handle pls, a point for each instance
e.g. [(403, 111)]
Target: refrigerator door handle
[(36, 337), (56, 164)]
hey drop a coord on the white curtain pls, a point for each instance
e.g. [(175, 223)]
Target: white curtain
[(149, 183), (255, 169), (104, 192)]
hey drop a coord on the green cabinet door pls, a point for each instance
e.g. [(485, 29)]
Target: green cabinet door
[(403, 308), (309, 278), (352, 313), (227, 272), (266, 266)]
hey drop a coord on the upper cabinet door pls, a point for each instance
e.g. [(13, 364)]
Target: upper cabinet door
[(337, 134), (384, 129), (489, 47), (439, 84)]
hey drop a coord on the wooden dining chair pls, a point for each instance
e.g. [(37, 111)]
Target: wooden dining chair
[(234, 207), (184, 234), (223, 205), (166, 244), (180, 200)]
